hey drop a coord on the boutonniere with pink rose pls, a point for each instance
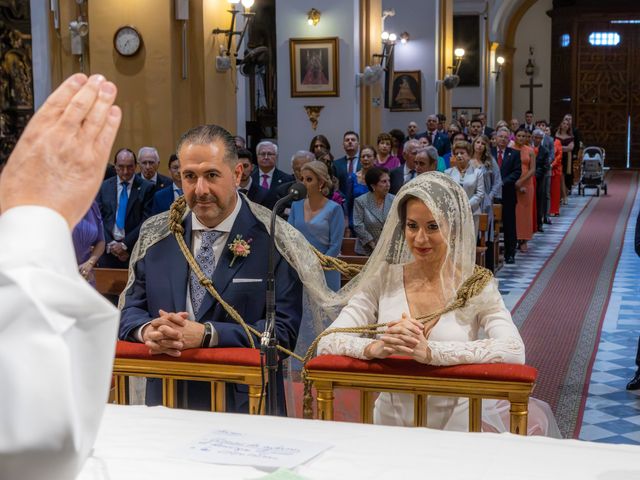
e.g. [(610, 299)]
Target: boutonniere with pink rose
[(239, 248)]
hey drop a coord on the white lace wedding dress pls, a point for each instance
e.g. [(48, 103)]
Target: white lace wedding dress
[(482, 332)]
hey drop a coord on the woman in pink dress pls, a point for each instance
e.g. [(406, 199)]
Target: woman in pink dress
[(385, 159), (525, 190)]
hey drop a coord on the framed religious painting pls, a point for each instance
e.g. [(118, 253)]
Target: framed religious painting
[(314, 67), (468, 112), (406, 91)]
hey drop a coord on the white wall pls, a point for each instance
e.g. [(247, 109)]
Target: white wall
[(535, 30), (339, 19), (419, 18)]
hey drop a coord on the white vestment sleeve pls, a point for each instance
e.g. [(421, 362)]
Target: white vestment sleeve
[(57, 342)]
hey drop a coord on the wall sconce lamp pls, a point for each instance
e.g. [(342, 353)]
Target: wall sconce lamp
[(388, 43), (313, 17), (459, 56), (230, 32), (404, 38), (499, 63)]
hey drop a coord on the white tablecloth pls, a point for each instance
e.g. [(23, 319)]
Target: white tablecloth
[(141, 443)]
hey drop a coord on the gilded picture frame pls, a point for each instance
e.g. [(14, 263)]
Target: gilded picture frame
[(314, 65)]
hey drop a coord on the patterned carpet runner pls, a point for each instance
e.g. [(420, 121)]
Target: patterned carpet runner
[(561, 313)]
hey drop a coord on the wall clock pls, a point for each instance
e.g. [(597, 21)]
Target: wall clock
[(127, 41)]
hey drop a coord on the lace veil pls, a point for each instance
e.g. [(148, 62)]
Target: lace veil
[(445, 199)]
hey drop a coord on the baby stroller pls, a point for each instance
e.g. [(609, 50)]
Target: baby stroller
[(592, 170)]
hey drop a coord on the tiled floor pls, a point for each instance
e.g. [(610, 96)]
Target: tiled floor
[(612, 414)]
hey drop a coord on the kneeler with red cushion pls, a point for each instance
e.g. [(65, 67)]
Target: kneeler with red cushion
[(401, 374), (215, 365)]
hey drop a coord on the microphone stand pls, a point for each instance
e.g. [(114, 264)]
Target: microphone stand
[(269, 341)]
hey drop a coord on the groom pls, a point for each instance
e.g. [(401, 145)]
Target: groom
[(168, 309)]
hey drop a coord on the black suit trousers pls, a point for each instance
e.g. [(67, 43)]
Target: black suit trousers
[(509, 220), (541, 206)]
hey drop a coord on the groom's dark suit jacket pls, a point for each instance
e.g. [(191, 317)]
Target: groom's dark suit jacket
[(161, 283)]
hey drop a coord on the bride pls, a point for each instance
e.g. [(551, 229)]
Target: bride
[(426, 253)]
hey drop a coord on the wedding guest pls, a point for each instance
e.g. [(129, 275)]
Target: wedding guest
[(525, 190), (563, 133), (508, 160), (484, 161), (406, 171), (356, 185), (371, 209), (385, 159), (319, 219), (543, 158), (350, 162), (426, 160), (447, 157), (88, 242), (469, 178), (397, 144), (334, 192), (319, 143), (556, 177), (430, 223)]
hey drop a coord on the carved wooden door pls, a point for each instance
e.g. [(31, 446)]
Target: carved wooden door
[(603, 76)]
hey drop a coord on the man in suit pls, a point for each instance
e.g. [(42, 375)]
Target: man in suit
[(437, 139), (251, 189), (149, 161), (125, 202), (486, 130), (163, 198), (510, 170), (172, 313), (267, 175), (350, 162), (404, 173), (543, 165), (529, 124), (412, 131), (548, 142), (475, 127)]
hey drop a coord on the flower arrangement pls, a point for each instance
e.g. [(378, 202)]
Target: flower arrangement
[(239, 248)]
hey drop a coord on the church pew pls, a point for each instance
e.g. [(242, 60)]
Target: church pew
[(481, 250), (404, 375), (111, 281), (215, 365), (498, 244), (353, 259), (348, 246)]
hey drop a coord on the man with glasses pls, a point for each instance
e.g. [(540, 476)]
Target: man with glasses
[(149, 162), (267, 175), (125, 202)]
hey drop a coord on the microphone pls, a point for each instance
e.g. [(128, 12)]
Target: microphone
[(297, 191), (268, 341)]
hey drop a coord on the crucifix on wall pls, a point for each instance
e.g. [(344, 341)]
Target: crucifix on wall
[(530, 70)]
